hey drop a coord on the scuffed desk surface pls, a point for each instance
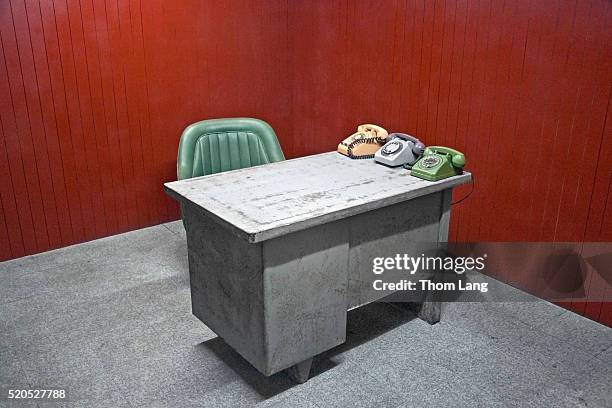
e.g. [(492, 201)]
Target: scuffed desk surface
[(268, 201)]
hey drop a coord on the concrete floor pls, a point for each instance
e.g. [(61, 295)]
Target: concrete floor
[(110, 321)]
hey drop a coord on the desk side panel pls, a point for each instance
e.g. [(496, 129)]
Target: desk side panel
[(226, 284), (410, 227), (305, 284)]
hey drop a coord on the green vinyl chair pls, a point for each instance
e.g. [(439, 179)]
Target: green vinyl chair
[(217, 145)]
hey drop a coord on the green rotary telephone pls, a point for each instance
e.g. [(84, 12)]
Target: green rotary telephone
[(438, 163)]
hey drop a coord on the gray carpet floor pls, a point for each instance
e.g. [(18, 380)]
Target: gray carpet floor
[(109, 320)]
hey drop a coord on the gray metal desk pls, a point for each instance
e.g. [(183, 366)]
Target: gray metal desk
[(278, 253)]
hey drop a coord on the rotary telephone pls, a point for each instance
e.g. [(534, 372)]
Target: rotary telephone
[(438, 163), (400, 149), (363, 143)]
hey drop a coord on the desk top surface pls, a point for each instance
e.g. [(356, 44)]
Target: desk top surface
[(264, 202)]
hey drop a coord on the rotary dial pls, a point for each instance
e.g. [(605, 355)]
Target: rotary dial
[(391, 148), (430, 161)]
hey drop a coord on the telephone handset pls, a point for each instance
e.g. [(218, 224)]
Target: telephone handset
[(400, 149), (438, 163), (363, 143)]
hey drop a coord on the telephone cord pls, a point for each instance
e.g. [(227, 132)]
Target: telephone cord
[(468, 194)]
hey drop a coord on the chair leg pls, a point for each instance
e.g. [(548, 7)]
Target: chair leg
[(300, 372)]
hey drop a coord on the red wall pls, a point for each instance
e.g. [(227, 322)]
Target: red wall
[(94, 95)]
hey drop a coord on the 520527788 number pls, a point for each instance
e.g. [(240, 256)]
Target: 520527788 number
[(37, 394)]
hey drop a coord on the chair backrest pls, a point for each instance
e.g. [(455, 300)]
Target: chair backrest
[(217, 145)]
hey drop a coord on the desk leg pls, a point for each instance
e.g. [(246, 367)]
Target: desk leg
[(300, 372), (429, 309)]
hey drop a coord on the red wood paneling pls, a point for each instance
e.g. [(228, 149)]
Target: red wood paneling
[(95, 93), (521, 87)]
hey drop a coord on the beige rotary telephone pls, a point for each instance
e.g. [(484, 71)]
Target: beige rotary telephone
[(363, 143)]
